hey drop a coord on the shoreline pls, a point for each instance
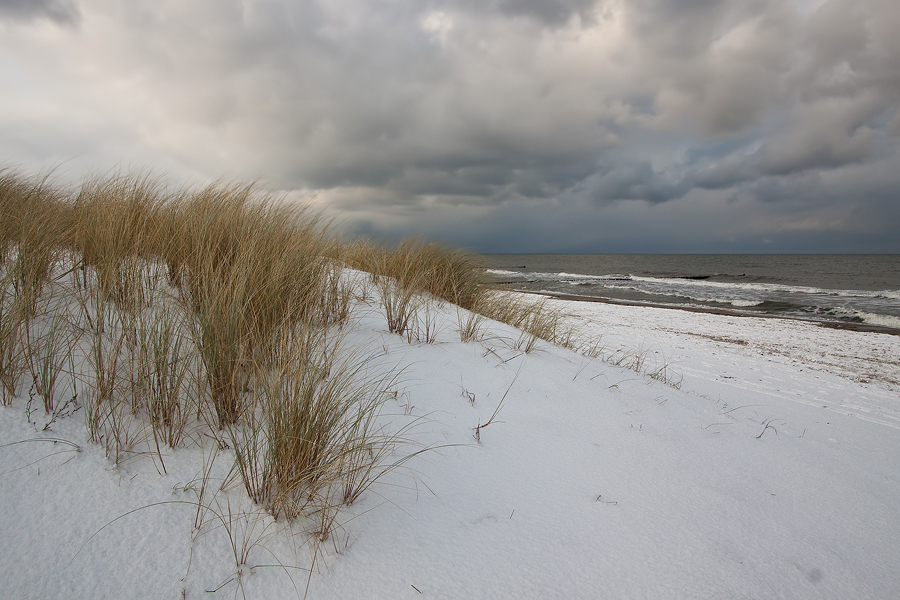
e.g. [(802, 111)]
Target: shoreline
[(710, 343), (863, 327)]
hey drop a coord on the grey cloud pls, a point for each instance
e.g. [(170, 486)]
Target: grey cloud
[(816, 146), (724, 172), (716, 64), (679, 28), (837, 33), (59, 11), (481, 114), (551, 12), (846, 94), (383, 107), (893, 126), (802, 213), (629, 179)]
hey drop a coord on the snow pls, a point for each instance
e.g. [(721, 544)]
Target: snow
[(766, 468)]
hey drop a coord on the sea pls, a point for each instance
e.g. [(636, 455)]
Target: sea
[(845, 289)]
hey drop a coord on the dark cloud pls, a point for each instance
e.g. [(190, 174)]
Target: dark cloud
[(59, 11), (570, 120), (551, 12), (632, 180)]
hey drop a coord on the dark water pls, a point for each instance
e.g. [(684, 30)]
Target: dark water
[(853, 288)]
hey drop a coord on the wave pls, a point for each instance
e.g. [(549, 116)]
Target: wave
[(684, 282), (878, 307), (771, 307), (771, 287), (882, 320), (611, 277)]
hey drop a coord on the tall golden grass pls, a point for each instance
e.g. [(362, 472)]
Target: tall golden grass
[(218, 312), (447, 274)]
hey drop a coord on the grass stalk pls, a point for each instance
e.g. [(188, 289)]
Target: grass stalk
[(47, 345), (11, 355)]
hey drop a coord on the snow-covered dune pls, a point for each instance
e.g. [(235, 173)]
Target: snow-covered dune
[(762, 462)]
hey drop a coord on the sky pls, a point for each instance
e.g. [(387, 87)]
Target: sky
[(495, 125)]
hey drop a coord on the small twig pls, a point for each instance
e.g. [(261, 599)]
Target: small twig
[(582, 368), (224, 583), (466, 393), (415, 588), (74, 556), (479, 427), (768, 424), (740, 407), (54, 440)]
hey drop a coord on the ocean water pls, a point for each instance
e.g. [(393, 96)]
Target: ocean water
[(848, 288)]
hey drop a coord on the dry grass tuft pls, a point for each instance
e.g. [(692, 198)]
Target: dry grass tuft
[(316, 438), (536, 320), (451, 275), (115, 222), (34, 223), (250, 268)]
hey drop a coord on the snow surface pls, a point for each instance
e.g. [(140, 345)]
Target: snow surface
[(767, 468)]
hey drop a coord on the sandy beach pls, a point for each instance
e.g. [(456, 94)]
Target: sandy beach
[(725, 457), (688, 338)]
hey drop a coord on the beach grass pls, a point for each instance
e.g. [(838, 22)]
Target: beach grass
[(176, 315), (226, 318)]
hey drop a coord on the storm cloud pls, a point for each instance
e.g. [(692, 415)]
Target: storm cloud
[(519, 125), (59, 11)]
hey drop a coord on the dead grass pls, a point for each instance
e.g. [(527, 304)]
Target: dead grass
[(536, 320), (253, 268), (451, 275), (220, 313), (315, 444), (46, 342), (35, 222), (11, 356), (471, 326), (115, 222), (164, 369)]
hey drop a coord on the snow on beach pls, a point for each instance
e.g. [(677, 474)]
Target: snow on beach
[(766, 468)]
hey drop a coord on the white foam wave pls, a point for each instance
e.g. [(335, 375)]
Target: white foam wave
[(746, 303), (770, 287), (882, 320), (680, 285), (610, 277), (737, 302)]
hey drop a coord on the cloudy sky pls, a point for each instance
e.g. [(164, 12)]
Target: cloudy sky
[(498, 125)]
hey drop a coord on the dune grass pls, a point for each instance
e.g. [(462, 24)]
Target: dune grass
[(534, 318), (175, 315), (11, 352), (313, 442), (178, 315), (450, 275)]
